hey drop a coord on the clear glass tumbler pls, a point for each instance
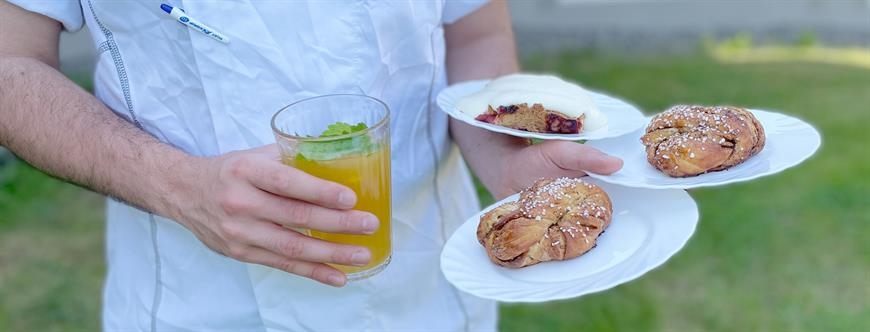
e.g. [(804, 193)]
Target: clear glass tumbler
[(323, 136)]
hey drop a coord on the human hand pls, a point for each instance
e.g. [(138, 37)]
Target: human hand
[(553, 158), (245, 200)]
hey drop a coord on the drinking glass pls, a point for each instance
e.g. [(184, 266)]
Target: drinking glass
[(359, 160)]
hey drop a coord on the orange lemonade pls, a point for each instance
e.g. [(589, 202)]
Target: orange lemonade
[(367, 173)]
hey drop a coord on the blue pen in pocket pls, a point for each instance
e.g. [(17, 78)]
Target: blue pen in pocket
[(183, 18)]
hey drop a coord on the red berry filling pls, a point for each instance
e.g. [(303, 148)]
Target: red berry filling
[(510, 109), (562, 125), (486, 117)]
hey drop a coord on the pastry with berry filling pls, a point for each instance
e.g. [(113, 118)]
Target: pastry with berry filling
[(533, 118), (688, 140), (534, 103), (554, 219)]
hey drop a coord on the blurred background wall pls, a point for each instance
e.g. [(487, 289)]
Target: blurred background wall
[(677, 25)]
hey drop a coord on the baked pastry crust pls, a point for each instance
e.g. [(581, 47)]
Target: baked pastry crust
[(534, 119), (688, 140), (554, 219)]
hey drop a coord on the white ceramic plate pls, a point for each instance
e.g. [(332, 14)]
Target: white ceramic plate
[(648, 227), (789, 141), (622, 117)]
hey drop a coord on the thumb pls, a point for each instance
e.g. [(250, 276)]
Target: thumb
[(578, 157)]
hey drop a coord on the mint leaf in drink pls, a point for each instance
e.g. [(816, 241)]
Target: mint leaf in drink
[(313, 150), (341, 128)]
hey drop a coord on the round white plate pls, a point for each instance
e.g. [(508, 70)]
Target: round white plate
[(622, 117), (648, 227), (789, 141)]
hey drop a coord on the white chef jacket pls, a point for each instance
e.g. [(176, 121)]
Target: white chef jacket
[(209, 98)]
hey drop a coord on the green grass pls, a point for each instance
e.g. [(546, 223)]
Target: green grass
[(790, 252), (51, 253)]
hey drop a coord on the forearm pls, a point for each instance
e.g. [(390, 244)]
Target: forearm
[(56, 126), (484, 58), (482, 52)]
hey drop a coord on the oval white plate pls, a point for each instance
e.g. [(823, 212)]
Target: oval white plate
[(789, 142), (648, 227), (622, 117)]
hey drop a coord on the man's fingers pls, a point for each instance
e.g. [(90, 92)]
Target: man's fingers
[(293, 245), (316, 271), (297, 214), (290, 182), (304, 215), (578, 158)]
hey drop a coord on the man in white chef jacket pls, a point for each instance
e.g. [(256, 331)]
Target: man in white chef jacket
[(177, 130)]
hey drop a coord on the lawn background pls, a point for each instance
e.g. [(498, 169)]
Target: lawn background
[(790, 252)]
